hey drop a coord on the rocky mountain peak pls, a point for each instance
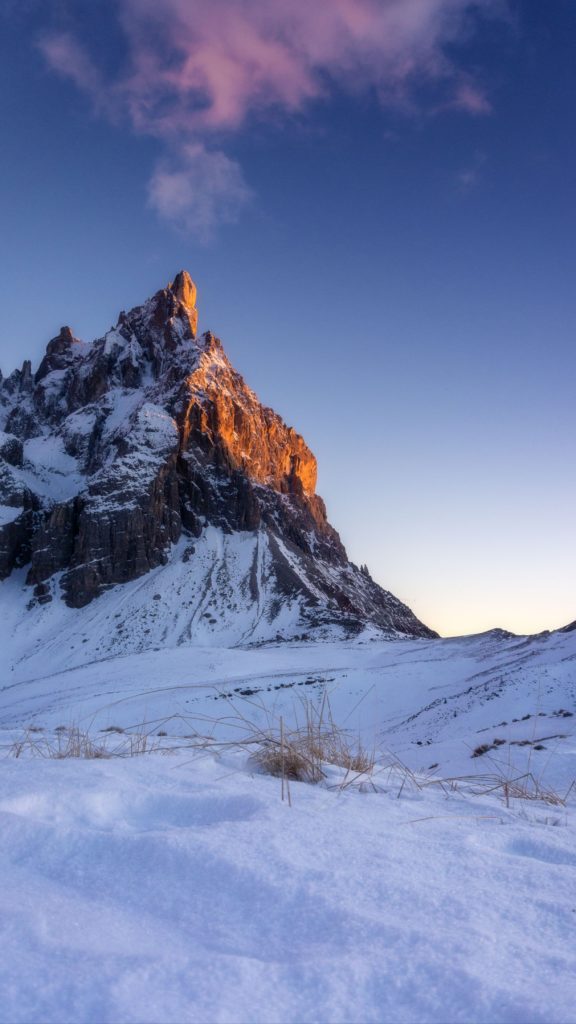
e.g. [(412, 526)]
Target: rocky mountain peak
[(58, 353), (117, 456), (63, 340), (170, 315), (184, 289)]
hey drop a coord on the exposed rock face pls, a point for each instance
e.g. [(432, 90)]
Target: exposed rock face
[(114, 451)]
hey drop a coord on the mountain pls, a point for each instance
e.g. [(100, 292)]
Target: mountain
[(146, 449)]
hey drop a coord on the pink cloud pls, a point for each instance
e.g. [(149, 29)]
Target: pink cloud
[(199, 70), (66, 55), (471, 99)]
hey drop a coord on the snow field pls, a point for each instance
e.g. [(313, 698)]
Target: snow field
[(180, 889)]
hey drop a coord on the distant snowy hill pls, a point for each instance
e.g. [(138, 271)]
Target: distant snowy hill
[(146, 449)]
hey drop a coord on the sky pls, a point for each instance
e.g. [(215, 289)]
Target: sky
[(376, 199)]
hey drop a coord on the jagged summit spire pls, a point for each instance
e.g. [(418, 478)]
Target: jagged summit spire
[(184, 289), (183, 293)]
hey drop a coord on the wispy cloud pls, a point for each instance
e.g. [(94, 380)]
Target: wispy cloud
[(471, 98), (197, 72), (197, 188), (471, 176), (65, 54)]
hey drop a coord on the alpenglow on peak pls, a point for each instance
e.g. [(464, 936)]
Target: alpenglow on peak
[(184, 289)]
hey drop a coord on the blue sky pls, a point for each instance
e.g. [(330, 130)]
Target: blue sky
[(381, 224)]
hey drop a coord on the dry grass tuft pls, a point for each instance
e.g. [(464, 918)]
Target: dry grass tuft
[(288, 760), (525, 787), (305, 752), (73, 742), (69, 742)]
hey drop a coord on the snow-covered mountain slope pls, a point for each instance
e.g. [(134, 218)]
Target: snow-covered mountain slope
[(219, 591), (113, 454), (430, 702)]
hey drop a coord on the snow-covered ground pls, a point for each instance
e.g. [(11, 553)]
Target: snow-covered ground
[(431, 703), (178, 886)]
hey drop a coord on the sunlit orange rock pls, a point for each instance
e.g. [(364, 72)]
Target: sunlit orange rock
[(225, 414), (184, 289)]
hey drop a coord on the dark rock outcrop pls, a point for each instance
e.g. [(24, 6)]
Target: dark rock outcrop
[(112, 451)]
